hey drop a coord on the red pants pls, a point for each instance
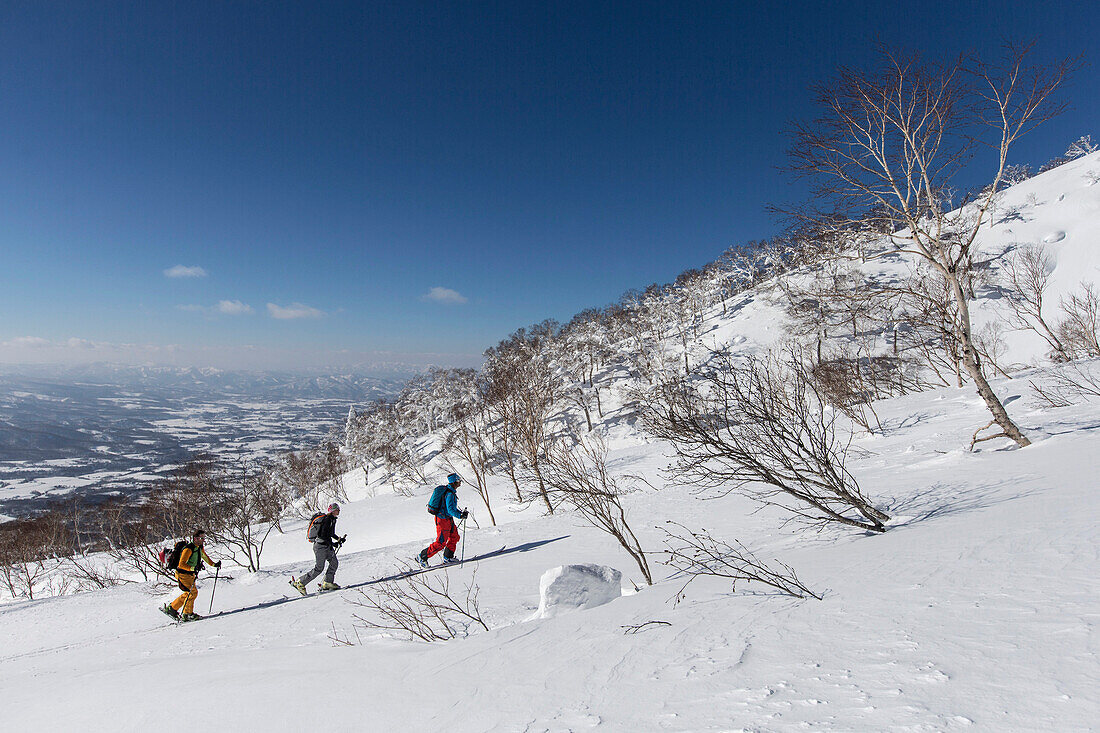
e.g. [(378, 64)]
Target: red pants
[(446, 537)]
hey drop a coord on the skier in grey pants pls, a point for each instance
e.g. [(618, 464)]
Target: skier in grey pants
[(324, 550)]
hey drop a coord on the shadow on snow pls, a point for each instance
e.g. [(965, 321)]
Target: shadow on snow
[(526, 547)]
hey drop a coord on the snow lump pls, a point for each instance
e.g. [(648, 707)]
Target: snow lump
[(569, 587)]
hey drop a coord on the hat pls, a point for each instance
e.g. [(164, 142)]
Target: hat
[(333, 507), (454, 478)]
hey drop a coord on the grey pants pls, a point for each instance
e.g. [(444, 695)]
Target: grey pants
[(323, 553)]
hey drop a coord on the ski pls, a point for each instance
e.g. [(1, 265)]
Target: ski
[(181, 622), (475, 558)]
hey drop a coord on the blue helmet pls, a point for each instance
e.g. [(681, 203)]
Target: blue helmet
[(453, 479)]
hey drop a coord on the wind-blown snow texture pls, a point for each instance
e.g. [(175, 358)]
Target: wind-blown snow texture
[(977, 610)]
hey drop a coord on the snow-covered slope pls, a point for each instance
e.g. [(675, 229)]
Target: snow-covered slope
[(1059, 211), (977, 609)]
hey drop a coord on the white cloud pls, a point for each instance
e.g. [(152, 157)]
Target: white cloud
[(224, 308), (185, 271), (234, 308), (445, 295), (29, 342), (292, 311), (36, 343)]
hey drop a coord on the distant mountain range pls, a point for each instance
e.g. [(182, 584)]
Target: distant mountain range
[(382, 381)]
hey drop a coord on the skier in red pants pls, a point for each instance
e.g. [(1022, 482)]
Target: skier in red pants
[(444, 505)]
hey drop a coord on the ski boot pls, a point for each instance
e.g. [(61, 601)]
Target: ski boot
[(452, 560), (170, 612), (190, 617), (299, 586), (422, 561), (329, 586)]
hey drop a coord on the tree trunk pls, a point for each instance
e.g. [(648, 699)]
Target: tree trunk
[(542, 487), (974, 367)]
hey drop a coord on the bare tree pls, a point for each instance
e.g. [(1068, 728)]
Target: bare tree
[(1028, 273), (424, 607), (530, 389), (1067, 386), (136, 534), (194, 495), (697, 554), (468, 439), (27, 555), (850, 381), (990, 343), (313, 476), (760, 427), (891, 141), (1080, 329), (90, 572), (501, 405), (252, 508), (578, 475)]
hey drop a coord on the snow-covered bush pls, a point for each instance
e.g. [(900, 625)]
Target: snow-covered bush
[(1082, 146)]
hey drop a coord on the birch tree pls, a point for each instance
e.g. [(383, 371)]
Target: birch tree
[(891, 140)]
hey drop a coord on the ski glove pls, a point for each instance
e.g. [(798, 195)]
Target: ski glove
[(218, 564), (465, 513)]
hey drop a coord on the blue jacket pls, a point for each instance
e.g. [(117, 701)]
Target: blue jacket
[(450, 502)]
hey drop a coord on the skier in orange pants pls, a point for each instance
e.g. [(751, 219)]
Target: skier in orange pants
[(187, 572)]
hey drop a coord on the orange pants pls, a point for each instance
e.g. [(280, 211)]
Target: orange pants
[(190, 593)]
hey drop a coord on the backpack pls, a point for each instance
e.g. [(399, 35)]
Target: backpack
[(439, 497), (314, 526), (170, 559)]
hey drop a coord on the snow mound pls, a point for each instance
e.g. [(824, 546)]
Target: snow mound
[(571, 587)]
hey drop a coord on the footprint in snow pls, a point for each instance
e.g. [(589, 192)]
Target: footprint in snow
[(1054, 237)]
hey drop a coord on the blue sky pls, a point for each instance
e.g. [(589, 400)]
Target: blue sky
[(364, 182)]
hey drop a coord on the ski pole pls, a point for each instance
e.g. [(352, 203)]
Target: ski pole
[(464, 539), (217, 570)]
